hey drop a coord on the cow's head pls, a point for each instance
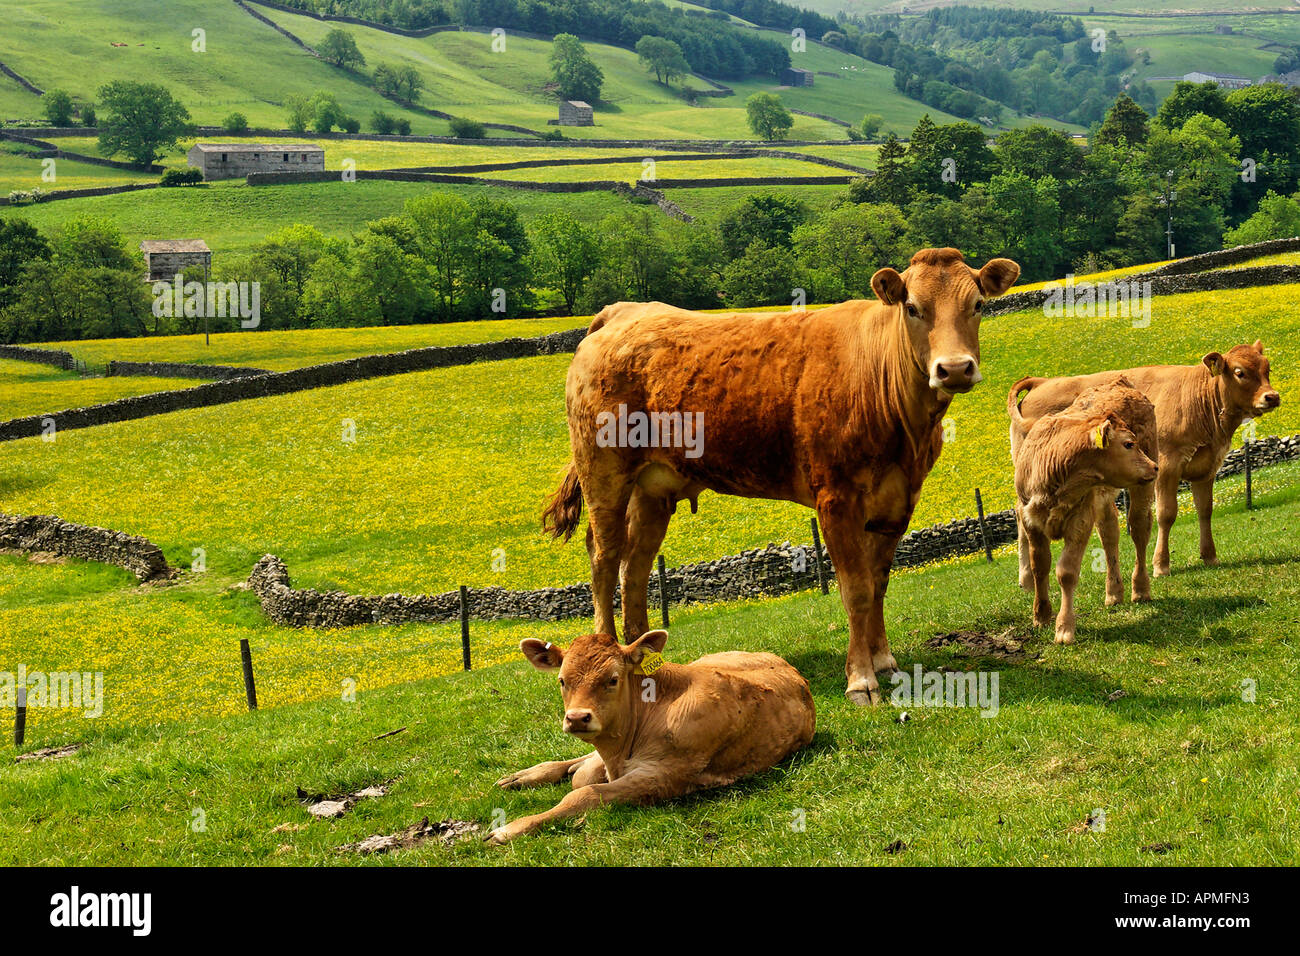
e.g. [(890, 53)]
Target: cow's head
[(596, 678), (941, 299), (1117, 455), (1242, 376)]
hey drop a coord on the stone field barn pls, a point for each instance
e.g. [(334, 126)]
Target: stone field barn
[(234, 160), (165, 258)]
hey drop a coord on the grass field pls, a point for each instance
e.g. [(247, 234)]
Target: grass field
[(27, 388), (1187, 770), (232, 217)]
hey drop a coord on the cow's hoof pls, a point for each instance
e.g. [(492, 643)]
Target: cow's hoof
[(1211, 562), (884, 663), (1141, 597), (1065, 637), (1113, 599), (1026, 582), (1161, 572), (863, 696)]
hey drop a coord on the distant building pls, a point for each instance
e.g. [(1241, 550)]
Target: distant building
[(574, 113), (1290, 78), (165, 258), (792, 76), (1222, 28), (1228, 81), (233, 160)]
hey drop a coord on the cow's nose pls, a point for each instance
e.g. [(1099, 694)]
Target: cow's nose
[(959, 374), (577, 720), (1272, 400)]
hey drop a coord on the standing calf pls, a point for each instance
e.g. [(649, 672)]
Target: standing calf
[(1069, 467), (662, 730)]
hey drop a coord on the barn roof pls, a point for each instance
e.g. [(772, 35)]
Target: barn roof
[(174, 245), (258, 148), (578, 103)]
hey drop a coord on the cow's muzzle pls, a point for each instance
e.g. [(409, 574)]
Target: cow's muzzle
[(580, 722), (955, 375), (1270, 401)]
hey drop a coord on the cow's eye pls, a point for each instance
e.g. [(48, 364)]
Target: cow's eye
[(561, 683), (612, 682), (913, 311), (1128, 445), (1240, 373), (979, 305)]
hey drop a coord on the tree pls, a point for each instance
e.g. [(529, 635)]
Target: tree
[(662, 57), (287, 256), (565, 253), (140, 119), (842, 248), (892, 183), (767, 116), (235, 123), (57, 105), (20, 243), (92, 242), (1038, 151), (767, 217), (495, 270), (464, 128), (340, 48), (1188, 99), (762, 276), (871, 124), (299, 112), (575, 74), (326, 113), (1126, 122), (441, 223), (1278, 217)]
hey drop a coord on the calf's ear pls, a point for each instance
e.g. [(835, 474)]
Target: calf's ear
[(997, 276), (1258, 346), (647, 642), (542, 655), (1214, 362), (888, 286)]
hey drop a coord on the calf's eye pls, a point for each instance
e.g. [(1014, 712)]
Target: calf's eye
[(1128, 445), (913, 311), (1240, 374)]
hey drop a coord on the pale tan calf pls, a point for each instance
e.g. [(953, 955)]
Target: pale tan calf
[(1198, 408), (1069, 467), (662, 730)]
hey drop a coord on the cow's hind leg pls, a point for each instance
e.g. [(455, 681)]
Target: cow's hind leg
[(1139, 529), (1166, 514), (1108, 531), (647, 523), (1203, 496), (606, 537), (858, 557), (1040, 559)]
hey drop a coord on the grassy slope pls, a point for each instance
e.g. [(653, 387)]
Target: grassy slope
[(233, 217), (30, 389), (1181, 759)]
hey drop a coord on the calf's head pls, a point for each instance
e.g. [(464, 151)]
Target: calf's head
[(597, 678), (941, 298), (1242, 377), (1118, 456)]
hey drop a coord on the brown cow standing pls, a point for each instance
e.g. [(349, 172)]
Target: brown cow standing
[(1198, 408), (662, 730), (838, 409), (1069, 467)]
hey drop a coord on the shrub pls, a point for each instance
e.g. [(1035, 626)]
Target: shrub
[(463, 128), (58, 107), (855, 134), (382, 123), (351, 125), (187, 176), (88, 118), (552, 135), (403, 127), (235, 123)]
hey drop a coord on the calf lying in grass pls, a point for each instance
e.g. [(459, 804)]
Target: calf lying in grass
[(662, 730), (1069, 468)]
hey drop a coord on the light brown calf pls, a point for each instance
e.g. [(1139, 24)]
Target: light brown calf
[(662, 730), (1198, 408), (1069, 467), (839, 409)]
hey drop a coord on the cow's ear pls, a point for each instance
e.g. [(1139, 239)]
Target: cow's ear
[(1258, 346), (647, 642), (1101, 433), (543, 655), (888, 286), (1214, 362), (997, 276)]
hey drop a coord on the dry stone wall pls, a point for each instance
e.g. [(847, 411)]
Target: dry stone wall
[(49, 534)]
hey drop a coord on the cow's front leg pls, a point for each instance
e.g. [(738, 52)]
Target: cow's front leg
[(1022, 551), (635, 787), (1077, 533), (1139, 530), (606, 536), (552, 771), (1203, 496), (855, 555), (1166, 513), (1108, 531)]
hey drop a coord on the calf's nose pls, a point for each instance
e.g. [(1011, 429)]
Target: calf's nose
[(1272, 399), (957, 374), (577, 719)]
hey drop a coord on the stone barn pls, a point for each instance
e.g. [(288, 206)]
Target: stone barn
[(575, 113), (792, 76), (165, 258), (235, 160), (1227, 81)]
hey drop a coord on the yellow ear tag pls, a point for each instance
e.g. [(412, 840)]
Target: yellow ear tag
[(1099, 437), (650, 663)]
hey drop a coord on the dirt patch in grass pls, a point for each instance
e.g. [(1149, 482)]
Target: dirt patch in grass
[(446, 832), (1004, 646), (49, 753)]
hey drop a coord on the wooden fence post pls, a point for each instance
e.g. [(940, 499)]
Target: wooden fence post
[(984, 531), (464, 626), (663, 590), (250, 688), (1250, 502), (817, 556), (20, 717)]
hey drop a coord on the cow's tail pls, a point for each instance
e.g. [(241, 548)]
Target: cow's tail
[(563, 511), (1013, 397)]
